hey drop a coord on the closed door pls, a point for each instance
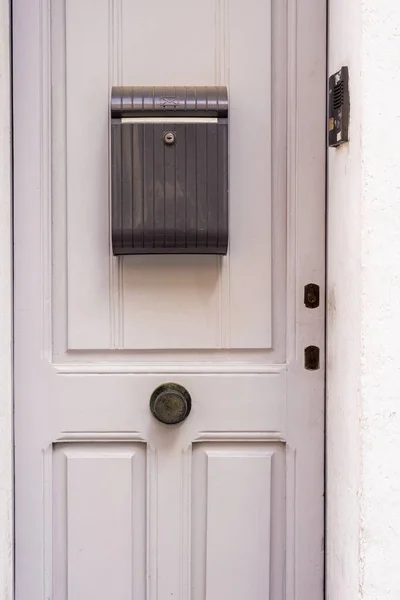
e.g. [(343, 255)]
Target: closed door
[(111, 502)]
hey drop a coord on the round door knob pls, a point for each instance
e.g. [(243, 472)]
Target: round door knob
[(170, 403)]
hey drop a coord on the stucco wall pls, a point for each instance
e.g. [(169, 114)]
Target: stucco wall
[(380, 278), (363, 516), (344, 325)]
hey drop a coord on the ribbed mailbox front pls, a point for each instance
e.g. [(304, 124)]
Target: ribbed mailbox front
[(169, 170)]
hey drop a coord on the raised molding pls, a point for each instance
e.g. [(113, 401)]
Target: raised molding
[(99, 436), (115, 77), (152, 368), (46, 177), (202, 436), (152, 522), (186, 532), (222, 43), (292, 178), (290, 521), (240, 436), (48, 520)]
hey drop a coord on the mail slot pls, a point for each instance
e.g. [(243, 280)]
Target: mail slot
[(169, 170)]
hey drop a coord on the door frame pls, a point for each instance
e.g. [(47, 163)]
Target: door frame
[(300, 168), (6, 316)]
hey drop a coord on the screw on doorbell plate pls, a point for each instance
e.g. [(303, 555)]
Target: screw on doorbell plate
[(169, 138)]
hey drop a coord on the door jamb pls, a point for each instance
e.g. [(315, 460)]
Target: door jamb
[(6, 317)]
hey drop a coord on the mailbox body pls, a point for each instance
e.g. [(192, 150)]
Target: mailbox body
[(169, 170)]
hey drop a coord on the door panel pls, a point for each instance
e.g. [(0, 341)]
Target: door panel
[(238, 520), (120, 304), (100, 536), (110, 502)]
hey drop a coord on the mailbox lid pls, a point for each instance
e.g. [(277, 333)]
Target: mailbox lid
[(165, 101)]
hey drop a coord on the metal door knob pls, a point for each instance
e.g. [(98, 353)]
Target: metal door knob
[(170, 403)]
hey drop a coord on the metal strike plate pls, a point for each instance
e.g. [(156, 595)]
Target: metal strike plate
[(311, 358), (311, 295)]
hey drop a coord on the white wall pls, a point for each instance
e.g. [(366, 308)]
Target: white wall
[(344, 326), (363, 540), (380, 272), (6, 524)]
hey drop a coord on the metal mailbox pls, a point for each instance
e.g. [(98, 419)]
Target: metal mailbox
[(169, 170)]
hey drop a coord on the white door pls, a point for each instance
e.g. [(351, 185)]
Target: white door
[(110, 503)]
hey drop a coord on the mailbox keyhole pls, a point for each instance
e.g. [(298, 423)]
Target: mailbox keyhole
[(169, 138)]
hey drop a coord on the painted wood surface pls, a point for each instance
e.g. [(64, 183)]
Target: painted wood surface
[(232, 499)]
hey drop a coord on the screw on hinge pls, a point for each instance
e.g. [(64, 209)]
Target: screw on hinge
[(311, 358), (311, 295)]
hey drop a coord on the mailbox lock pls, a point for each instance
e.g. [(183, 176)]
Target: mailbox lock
[(169, 138)]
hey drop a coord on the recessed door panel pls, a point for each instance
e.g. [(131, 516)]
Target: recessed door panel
[(110, 307)]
